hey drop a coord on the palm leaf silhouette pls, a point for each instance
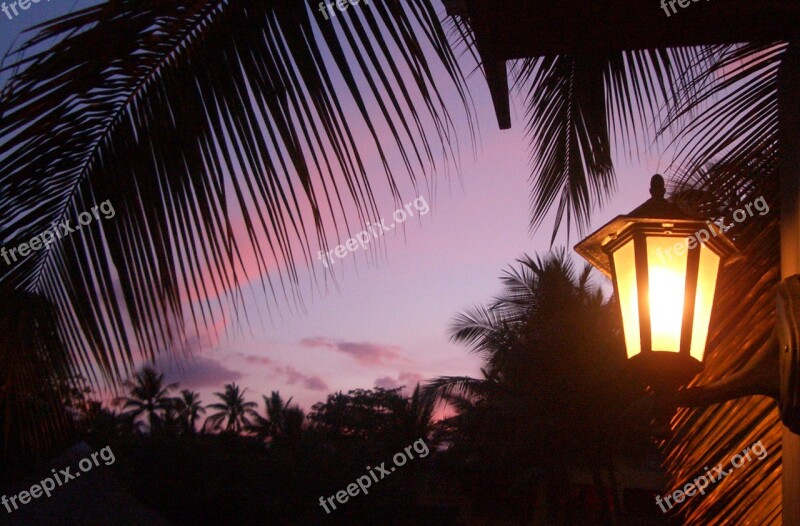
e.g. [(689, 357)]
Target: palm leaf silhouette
[(579, 109), (188, 116)]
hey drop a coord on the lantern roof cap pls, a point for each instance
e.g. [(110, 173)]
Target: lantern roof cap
[(656, 214), (657, 207)]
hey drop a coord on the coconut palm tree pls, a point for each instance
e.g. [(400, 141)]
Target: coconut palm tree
[(147, 396), (551, 382), (233, 411), (189, 410), (282, 420)]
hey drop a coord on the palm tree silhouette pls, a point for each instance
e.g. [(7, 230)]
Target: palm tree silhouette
[(282, 420), (415, 416), (189, 410), (233, 411), (148, 396), (551, 352)]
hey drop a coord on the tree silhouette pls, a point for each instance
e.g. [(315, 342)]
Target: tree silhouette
[(189, 410), (104, 423), (282, 420), (552, 391), (148, 396), (35, 375), (415, 416), (361, 414), (233, 411)]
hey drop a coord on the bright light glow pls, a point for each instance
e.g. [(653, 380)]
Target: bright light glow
[(706, 285), (667, 283), (627, 291), (667, 261)]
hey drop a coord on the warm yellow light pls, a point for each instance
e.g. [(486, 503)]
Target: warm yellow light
[(667, 282), (628, 295), (664, 279), (706, 284)]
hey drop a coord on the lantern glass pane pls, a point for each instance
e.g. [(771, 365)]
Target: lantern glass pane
[(628, 295), (666, 271), (706, 285)]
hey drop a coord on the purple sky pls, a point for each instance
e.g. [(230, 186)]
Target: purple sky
[(382, 318), (386, 322)]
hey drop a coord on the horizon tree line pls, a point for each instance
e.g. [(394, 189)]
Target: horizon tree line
[(151, 406)]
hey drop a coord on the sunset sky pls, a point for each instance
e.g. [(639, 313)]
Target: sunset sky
[(383, 321)]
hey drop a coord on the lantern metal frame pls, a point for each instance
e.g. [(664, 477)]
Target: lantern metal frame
[(659, 218)]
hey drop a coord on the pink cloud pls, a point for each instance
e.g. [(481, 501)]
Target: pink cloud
[(364, 352), (198, 372), (255, 360), (409, 380), (293, 376)]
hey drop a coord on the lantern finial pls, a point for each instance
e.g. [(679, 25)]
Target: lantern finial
[(657, 187)]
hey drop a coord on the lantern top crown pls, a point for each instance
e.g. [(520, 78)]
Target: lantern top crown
[(657, 189), (656, 216), (657, 207)]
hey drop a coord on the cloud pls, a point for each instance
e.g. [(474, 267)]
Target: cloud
[(386, 382), (197, 372), (254, 360), (364, 352), (409, 380), (293, 376)]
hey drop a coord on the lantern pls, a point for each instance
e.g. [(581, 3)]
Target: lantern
[(664, 265)]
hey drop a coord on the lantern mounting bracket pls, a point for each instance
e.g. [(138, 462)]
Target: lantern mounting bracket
[(774, 369)]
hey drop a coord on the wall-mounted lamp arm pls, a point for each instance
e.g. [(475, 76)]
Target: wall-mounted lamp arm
[(761, 376), (773, 371)]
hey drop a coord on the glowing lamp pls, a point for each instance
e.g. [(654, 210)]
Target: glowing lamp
[(664, 265)]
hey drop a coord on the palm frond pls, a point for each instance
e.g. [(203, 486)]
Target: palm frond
[(477, 327), (192, 117), (746, 296), (570, 148), (576, 106), (738, 126), (451, 387)]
